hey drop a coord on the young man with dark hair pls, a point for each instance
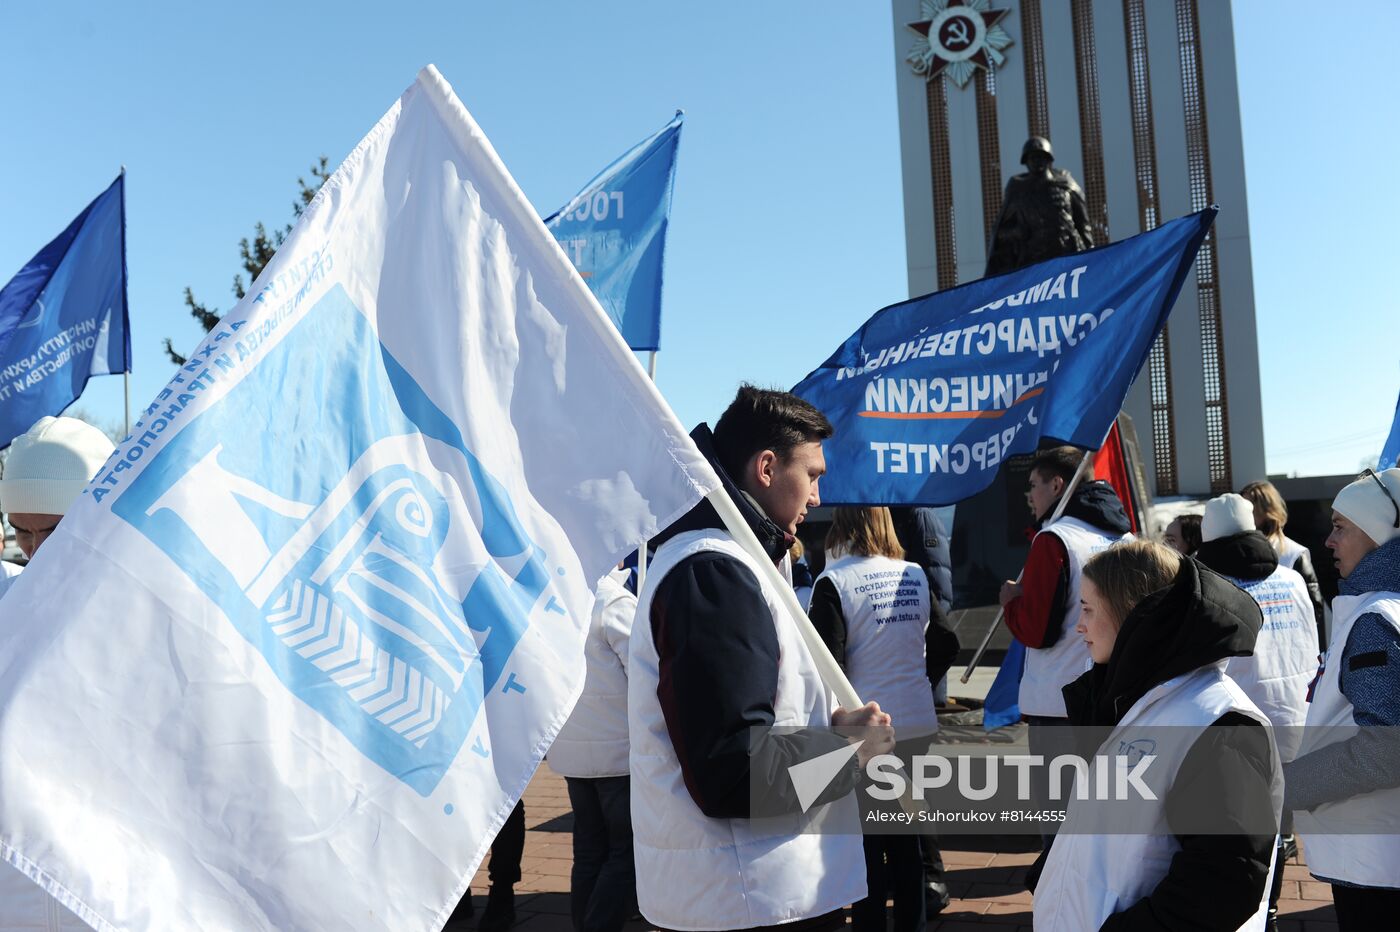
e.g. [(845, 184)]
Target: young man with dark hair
[(715, 663), (1043, 608)]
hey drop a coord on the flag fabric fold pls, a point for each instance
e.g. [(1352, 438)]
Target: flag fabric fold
[(63, 317), (931, 395), (614, 231), (299, 648)]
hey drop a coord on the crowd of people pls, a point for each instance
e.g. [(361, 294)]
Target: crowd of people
[(702, 691)]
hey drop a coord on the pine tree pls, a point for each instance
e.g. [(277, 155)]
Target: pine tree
[(256, 254)]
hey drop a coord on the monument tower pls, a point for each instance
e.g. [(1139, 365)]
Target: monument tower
[(1140, 101)]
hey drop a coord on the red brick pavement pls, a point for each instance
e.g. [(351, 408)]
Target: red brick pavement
[(987, 886)]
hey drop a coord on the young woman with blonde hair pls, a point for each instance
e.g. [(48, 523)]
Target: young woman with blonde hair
[(872, 608), (1159, 628)]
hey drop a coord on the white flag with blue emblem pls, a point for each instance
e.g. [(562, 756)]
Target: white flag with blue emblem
[(293, 658)]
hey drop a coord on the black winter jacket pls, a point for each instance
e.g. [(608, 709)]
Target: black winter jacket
[(1215, 881), (718, 658)]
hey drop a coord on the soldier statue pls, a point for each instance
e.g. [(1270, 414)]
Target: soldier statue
[(1043, 214)]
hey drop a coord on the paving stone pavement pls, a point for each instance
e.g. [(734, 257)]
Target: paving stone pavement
[(987, 885)]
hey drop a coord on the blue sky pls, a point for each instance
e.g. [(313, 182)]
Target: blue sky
[(787, 228)]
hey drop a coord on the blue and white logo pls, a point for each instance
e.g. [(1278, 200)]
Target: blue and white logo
[(337, 517)]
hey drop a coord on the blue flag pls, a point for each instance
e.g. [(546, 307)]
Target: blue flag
[(930, 396), (614, 232), (1002, 705), (63, 318), (1390, 454)]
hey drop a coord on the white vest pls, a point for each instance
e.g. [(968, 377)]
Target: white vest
[(886, 606), (1051, 669), (1088, 878), (1289, 552), (593, 742), (1276, 677), (694, 872), (1369, 860)]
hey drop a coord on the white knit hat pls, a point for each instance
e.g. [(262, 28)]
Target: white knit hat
[(1227, 515), (48, 467), (1367, 506)]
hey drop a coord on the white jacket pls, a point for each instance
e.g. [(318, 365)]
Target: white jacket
[(885, 604), (1051, 669), (593, 742), (695, 872), (1089, 877), (1339, 837), (1276, 676)]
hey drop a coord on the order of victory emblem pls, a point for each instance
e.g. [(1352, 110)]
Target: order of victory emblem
[(956, 37)]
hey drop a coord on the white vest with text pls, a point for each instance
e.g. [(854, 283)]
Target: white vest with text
[(1089, 877), (1340, 837), (1276, 676), (886, 606), (1051, 669), (695, 872)]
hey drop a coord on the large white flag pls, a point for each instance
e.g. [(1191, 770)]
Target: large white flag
[(294, 656)]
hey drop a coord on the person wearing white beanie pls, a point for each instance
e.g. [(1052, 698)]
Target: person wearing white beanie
[(46, 470), (1275, 677), (1344, 787)]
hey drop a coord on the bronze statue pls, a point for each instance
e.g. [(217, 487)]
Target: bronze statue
[(1043, 214)]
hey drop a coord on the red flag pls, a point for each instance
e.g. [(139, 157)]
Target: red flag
[(1111, 465)]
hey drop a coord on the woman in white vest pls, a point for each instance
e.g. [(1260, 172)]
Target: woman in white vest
[(590, 753), (872, 608), (1159, 628), (1276, 676), (1344, 787), (1270, 518)]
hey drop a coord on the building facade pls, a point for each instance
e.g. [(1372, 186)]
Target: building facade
[(1140, 102)]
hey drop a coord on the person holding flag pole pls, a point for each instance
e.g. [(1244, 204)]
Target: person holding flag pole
[(730, 686)]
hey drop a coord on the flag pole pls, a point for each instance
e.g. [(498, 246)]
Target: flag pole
[(1055, 516), (642, 547), (831, 672), (126, 376)]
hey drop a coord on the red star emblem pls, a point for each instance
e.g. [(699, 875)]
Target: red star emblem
[(958, 33)]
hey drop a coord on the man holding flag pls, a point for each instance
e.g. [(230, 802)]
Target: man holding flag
[(1042, 608), (716, 664)]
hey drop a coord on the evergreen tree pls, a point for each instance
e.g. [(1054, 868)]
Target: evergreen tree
[(256, 254)]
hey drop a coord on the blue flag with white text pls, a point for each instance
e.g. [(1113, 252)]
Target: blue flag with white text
[(1390, 453), (63, 317), (929, 396), (614, 232)]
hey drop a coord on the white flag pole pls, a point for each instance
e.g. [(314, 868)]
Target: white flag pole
[(1054, 516), (830, 670), (642, 547)]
